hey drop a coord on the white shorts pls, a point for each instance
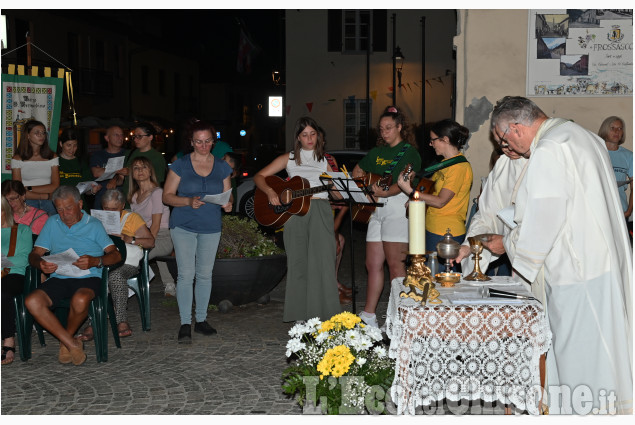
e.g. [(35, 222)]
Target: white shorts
[(389, 223)]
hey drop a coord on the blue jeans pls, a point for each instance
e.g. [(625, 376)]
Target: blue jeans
[(432, 239), (195, 257), (43, 204)]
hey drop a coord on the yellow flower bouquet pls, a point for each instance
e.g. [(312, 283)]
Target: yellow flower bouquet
[(340, 364)]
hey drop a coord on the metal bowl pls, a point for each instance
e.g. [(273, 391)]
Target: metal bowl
[(447, 279)]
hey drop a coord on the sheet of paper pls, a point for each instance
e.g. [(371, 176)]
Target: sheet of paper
[(344, 184), (507, 216), (218, 199), (110, 220), (113, 165), (84, 187), (6, 262), (64, 261)]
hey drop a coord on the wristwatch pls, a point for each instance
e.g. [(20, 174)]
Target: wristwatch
[(29, 188), (101, 263), (133, 241)]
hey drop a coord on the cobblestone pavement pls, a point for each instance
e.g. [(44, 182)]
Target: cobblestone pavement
[(237, 371)]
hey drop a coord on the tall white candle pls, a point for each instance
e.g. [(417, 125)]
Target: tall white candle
[(417, 225)]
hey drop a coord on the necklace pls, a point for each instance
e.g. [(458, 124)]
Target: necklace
[(24, 211)]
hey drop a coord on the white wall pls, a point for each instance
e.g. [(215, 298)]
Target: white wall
[(315, 75), (492, 62)]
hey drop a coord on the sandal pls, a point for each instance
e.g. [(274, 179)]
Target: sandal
[(5, 351), (87, 334), (124, 331)]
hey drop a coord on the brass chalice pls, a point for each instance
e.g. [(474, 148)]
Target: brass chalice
[(476, 247)]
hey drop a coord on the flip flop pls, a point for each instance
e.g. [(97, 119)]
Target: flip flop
[(125, 332)]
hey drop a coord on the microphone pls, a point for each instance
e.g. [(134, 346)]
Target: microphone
[(491, 292)]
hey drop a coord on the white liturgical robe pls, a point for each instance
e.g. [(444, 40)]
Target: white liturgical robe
[(572, 235), (496, 195)]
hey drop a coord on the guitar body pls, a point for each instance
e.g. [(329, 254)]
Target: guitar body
[(275, 216), (361, 212)]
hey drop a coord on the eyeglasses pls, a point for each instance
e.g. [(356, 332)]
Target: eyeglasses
[(388, 128), (40, 133), (139, 136), (435, 139), (200, 142), (13, 199), (616, 128)]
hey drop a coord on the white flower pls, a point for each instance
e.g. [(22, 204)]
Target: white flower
[(298, 330), (313, 324), (353, 335), (360, 361), (361, 344), (321, 337), (380, 351), (294, 345), (373, 333)]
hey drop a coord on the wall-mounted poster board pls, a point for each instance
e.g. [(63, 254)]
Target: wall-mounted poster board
[(580, 52)]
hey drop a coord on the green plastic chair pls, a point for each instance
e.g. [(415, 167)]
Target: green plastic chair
[(140, 283), (23, 319)]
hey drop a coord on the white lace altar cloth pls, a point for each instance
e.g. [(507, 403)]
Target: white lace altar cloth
[(489, 351)]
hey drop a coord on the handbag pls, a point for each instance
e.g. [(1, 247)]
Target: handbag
[(12, 242)]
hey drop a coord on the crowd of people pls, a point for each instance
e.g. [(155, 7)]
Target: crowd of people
[(570, 192)]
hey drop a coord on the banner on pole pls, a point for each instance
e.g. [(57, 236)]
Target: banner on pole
[(25, 97)]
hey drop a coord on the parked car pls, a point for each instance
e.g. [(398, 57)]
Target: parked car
[(246, 188)]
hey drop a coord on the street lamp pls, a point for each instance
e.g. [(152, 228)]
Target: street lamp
[(397, 67)]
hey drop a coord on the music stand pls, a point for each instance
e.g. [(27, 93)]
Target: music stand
[(354, 191)]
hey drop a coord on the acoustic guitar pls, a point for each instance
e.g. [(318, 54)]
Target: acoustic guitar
[(295, 199), (362, 212)]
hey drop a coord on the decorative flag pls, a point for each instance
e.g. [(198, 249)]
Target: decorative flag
[(247, 51), (309, 106), (351, 98), (428, 83), (390, 88), (331, 100), (373, 95)]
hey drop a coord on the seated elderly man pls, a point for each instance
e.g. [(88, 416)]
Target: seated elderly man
[(72, 228)]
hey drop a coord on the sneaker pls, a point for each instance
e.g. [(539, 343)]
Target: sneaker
[(185, 334), (204, 328), (170, 289), (369, 319)]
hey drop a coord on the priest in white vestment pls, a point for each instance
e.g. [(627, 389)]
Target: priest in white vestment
[(571, 237)]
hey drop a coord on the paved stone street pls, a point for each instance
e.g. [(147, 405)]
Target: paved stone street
[(237, 371)]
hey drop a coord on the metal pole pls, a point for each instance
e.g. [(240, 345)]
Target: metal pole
[(367, 126), (423, 71), (394, 60), (28, 54)]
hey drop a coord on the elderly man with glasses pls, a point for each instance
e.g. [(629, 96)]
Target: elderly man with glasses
[(568, 238)]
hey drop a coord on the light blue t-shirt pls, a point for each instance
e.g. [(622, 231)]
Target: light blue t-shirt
[(86, 237), (622, 161), (206, 218)]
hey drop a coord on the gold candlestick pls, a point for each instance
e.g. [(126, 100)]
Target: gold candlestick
[(418, 276)]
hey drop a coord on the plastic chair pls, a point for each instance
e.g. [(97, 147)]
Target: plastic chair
[(140, 283), (100, 311), (23, 319)]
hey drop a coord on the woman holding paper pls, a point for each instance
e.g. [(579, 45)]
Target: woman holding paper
[(195, 225), (309, 240), (36, 166), (137, 236), (73, 168), (447, 205), (145, 198)]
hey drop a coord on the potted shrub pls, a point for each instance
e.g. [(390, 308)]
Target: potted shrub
[(248, 264)]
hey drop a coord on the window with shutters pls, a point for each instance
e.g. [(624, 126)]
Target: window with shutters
[(354, 121), (355, 31)]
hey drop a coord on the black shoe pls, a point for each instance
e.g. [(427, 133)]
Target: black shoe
[(204, 328), (185, 334)]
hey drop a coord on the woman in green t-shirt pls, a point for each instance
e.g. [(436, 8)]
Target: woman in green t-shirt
[(73, 169)]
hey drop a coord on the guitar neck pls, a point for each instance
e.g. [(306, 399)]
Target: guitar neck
[(310, 191)]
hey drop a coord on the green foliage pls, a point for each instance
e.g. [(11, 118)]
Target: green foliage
[(241, 238)]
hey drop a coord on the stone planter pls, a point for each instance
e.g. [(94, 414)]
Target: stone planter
[(238, 281)]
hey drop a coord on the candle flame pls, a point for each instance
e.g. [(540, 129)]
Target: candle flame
[(415, 196)]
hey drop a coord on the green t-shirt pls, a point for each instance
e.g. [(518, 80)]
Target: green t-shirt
[(73, 171), (378, 160)]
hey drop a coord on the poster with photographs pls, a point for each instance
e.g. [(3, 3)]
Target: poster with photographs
[(580, 52)]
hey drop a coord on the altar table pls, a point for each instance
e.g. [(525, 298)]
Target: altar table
[(467, 347)]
